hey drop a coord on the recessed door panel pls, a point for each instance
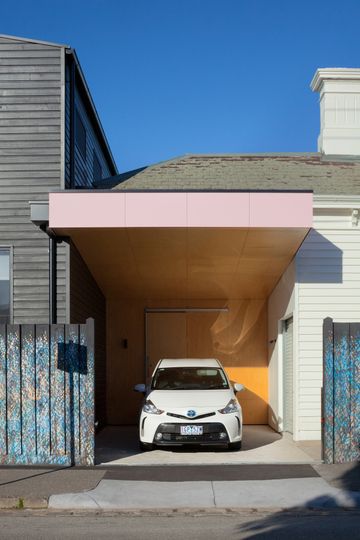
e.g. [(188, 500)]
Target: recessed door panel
[(165, 338)]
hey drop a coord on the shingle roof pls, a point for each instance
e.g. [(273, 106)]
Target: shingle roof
[(303, 171)]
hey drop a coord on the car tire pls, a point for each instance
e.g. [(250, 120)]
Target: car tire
[(234, 446), (145, 447)]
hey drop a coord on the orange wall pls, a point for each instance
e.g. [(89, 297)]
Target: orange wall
[(238, 338)]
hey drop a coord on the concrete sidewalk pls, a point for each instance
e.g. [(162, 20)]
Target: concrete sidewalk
[(180, 487), (280, 494), (32, 487)]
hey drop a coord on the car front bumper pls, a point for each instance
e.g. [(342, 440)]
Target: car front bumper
[(219, 429)]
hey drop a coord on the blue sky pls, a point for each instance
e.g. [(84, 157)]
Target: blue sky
[(176, 76)]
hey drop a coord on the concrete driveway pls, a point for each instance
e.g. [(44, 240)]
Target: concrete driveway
[(118, 445)]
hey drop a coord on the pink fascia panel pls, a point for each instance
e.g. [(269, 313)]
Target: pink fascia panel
[(85, 210), (281, 210), (156, 210), (119, 210), (218, 209)]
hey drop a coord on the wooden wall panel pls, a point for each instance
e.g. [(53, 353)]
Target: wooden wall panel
[(237, 338)]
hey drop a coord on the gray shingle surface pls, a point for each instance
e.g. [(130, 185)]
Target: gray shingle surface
[(326, 176)]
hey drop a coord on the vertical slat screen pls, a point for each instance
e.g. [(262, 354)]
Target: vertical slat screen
[(328, 391), (355, 390), (47, 394), (28, 389), (3, 366), (87, 382), (341, 392), (13, 390), (42, 391), (342, 381), (57, 382)]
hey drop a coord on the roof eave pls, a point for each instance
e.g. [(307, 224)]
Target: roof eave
[(36, 41)]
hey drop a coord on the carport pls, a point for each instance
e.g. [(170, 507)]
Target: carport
[(184, 274)]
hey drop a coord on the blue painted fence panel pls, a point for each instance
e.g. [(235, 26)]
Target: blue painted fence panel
[(28, 391), (47, 394), (57, 386), (13, 391), (355, 388), (42, 391), (341, 392), (87, 408), (3, 371)]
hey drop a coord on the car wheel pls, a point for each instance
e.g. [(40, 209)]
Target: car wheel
[(145, 447), (235, 446)]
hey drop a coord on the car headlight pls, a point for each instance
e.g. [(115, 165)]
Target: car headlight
[(231, 407), (150, 408)]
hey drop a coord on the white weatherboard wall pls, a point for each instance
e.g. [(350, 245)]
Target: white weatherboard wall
[(281, 305), (328, 285)]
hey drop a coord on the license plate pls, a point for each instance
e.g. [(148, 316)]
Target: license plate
[(191, 430)]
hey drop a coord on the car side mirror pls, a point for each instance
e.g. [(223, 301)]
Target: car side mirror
[(140, 388), (238, 387)]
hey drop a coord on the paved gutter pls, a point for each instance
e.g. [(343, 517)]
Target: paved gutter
[(191, 473)]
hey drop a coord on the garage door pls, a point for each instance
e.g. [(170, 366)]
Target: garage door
[(165, 338), (237, 338), (288, 393), (179, 335)]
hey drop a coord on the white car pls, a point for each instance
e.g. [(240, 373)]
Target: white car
[(190, 401)]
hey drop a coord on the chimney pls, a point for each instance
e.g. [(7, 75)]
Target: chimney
[(339, 90)]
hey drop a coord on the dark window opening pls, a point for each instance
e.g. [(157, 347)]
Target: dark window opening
[(97, 171), (4, 285), (80, 135)]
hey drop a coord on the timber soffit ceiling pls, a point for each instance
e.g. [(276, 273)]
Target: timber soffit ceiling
[(152, 263)]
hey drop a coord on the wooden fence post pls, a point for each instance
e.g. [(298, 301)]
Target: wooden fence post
[(328, 391), (355, 390), (87, 386)]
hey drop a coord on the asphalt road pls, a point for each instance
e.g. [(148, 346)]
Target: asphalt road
[(340, 525)]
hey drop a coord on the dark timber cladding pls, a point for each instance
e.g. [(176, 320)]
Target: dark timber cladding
[(30, 167), (86, 159), (86, 301)]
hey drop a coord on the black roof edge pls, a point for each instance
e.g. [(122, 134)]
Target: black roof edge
[(185, 191), (119, 178)]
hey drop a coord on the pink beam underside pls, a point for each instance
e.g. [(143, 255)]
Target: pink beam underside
[(112, 210)]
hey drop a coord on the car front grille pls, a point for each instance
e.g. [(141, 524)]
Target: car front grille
[(211, 434), (191, 419)]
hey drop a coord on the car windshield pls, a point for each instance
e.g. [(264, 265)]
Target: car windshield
[(189, 378)]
